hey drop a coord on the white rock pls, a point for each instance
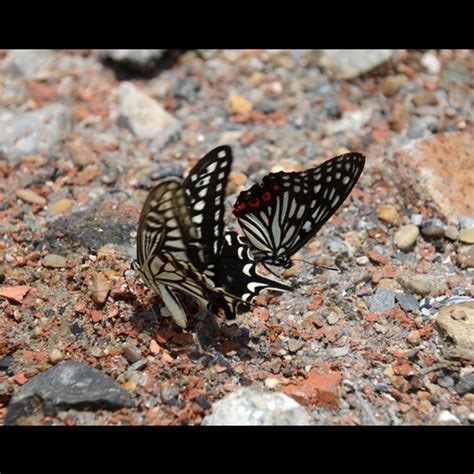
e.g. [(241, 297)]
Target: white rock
[(144, 116), (431, 63), (248, 406), (352, 121)]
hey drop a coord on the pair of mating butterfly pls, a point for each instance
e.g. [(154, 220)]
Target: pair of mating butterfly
[(182, 247)]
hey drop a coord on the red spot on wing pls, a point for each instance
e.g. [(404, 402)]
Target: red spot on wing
[(276, 187), (254, 202), (240, 207), (267, 196)]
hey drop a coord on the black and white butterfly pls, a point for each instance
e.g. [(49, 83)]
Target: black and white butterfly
[(279, 215), (182, 247)]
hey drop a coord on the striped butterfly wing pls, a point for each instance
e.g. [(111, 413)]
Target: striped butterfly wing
[(282, 213), (204, 189), (165, 270), (235, 271)]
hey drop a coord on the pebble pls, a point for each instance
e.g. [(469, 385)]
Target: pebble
[(465, 222), (40, 132), (388, 214), (100, 288), (144, 116), (392, 84), (421, 126), (363, 260), (240, 105), (414, 338), (467, 236), (382, 300), (407, 301), (416, 219), (405, 237), (294, 345), (433, 228), (61, 206), (446, 381), (132, 353), (67, 385), (351, 121), (29, 196), (250, 407), (431, 63), (446, 418), (350, 63), (332, 319), (55, 356), (169, 393), (339, 351), (465, 384), (28, 63), (422, 285), (138, 365), (451, 232), (465, 256), (424, 98), (271, 383), (230, 137), (54, 261)]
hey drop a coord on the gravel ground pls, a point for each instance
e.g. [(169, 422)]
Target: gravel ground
[(387, 340)]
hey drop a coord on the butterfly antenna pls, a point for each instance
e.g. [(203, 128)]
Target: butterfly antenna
[(317, 265)]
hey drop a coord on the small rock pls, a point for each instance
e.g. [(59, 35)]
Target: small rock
[(230, 137), (333, 318), (294, 345), (15, 293), (132, 353), (421, 126), (362, 260), (350, 63), (382, 300), (465, 256), (351, 121), (29, 196), (100, 288), (451, 232), (431, 63), (465, 384), (380, 328), (465, 222), (339, 351), (433, 228), (144, 116), (388, 214), (414, 338), (457, 322), (5, 363), (140, 60), (28, 63), (405, 237), (240, 105), (169, 393), (61, 206), (422, 285), (424, 98), (251, 407), (446, 381), (271, 383), (446, 418), (417, 219), (54, 261), (39, 132), (407, 301), (138, 365), (467, 236), (68, 385), (55, 356), (392, 84)]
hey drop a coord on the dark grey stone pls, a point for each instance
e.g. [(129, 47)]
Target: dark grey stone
[(67, 385), (421, 126), (433, 228), (465, 384), (382, 300), (5, 363), (407, 301)]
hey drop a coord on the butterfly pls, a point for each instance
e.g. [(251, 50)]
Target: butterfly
[(182, 247), (279, 215)]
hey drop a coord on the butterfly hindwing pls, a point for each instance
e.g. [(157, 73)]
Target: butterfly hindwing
[(282, 213)]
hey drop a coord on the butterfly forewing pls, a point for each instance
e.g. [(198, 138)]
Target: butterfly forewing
[(205, 194), (282, 213)]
